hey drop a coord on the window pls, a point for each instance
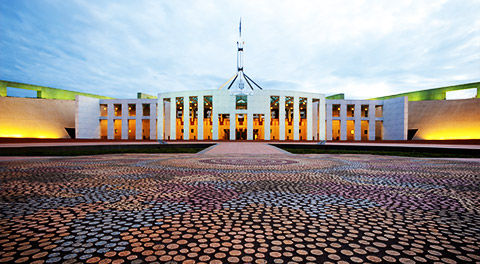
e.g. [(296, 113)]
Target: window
[(146, 109), (103, 110), (118, 109), (132, 109), (336, 110), (350, 110), (379, 111), (364, 110), (241, 102)]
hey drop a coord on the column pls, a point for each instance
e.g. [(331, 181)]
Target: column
[(249, 125), (153, 120), (110, 124), (267, 117), (357, 115), (160, 118), (233, 119), (281, 117), (329, 114), (321, 117), (124, 121), (214, 120), (138, 120), (309, 118), (186, 117), (173, 118), (296, 117), (371, 120), (200, 105), (343, 120)]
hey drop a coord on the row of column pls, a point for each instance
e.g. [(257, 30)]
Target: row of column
[(356, 117), (266, 113), (125, 117)]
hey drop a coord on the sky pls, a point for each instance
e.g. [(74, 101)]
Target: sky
[(364, 49)]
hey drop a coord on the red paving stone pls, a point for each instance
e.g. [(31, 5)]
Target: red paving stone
[(242, 208), (243, 148)]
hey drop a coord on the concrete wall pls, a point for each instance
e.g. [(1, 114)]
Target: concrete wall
[(395, 118), (36, 118), (448, 119), (87, 112)]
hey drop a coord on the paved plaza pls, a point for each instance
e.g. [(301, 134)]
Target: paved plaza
[(239, 208)]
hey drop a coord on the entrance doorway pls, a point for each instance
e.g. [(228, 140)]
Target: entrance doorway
[(241, 134), (241, 127)]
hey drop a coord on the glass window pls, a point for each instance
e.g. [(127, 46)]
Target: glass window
[(350, 110), (241, 102), (336, 110), (146, 109), (118, 109), (132, 109), (103, 110), (379, 111), (364, 110)]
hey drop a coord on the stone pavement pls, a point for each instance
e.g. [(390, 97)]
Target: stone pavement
[(239, 208), (243, 148)]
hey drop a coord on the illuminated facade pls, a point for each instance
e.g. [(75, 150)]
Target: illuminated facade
[(263, 115), (218, 115)]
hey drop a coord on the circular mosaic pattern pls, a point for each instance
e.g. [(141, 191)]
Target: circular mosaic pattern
[(140, 208), (249, 162)]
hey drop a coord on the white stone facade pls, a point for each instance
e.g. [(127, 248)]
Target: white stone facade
[(386, 119), (257, 104), (320, 119)]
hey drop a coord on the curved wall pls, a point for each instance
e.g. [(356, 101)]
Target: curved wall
[(447, 119), (36, 118)]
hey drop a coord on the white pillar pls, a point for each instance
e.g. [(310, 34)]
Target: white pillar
[(357, 113), (173, 118), (321, 118), (200, 104), (281, 117), (138, 120), (160, 118), (329, 115), (154, 124), (124, 121), (343, 120), (296, 118), (186, 118), (110, 124), (310, 118), (233, 120), (249, 117), (371, 121), (266, 120)]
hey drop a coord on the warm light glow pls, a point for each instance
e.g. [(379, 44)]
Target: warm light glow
[(453, 133), (6, 132)]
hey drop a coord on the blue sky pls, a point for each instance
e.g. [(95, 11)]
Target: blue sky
[(360, 48)]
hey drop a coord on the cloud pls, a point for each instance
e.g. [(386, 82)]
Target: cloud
[(360, 48)]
